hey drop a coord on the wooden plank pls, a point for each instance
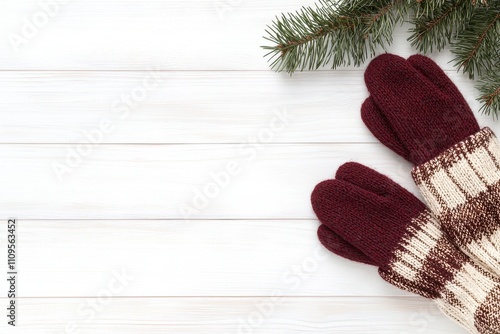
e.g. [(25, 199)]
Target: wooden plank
[(146, 34), (361, 315), (75, 258), (248, 181), (187, 107)]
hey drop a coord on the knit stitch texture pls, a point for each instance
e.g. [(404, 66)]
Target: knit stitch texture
[(414, 108), (365, 211)]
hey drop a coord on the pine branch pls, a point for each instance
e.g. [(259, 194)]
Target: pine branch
[(427, 7), (344, 33), (292, 33), (476, 47), (490, 92), (436, 26)]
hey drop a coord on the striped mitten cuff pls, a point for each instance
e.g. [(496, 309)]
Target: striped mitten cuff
[(369, 218), (462, 188), (427, 263)]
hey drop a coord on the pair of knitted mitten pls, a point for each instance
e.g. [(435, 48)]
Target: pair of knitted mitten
[(422, 116), (448, 252)]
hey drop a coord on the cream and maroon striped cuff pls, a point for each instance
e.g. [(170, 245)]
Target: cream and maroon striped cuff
[(462, 172), (426, 262), (462, 188)]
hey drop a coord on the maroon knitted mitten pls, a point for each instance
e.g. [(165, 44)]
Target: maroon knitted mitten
[(377, 123), (336, 244), (418, 112), (369, 218), (417, 104)]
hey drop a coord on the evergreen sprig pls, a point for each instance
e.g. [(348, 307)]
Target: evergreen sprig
[(477, 48), (348, 32), (342, 33), (489, 88), (435, 26)]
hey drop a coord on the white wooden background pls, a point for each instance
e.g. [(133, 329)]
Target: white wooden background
[(247, 260)]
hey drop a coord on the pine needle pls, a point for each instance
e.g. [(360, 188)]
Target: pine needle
[(343, 33), (489, 89)]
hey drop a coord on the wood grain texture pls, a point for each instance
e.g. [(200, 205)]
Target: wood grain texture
[(177, 181), (178, 258), (187, 107), (125, 231), (356, 315), (147, 34)]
